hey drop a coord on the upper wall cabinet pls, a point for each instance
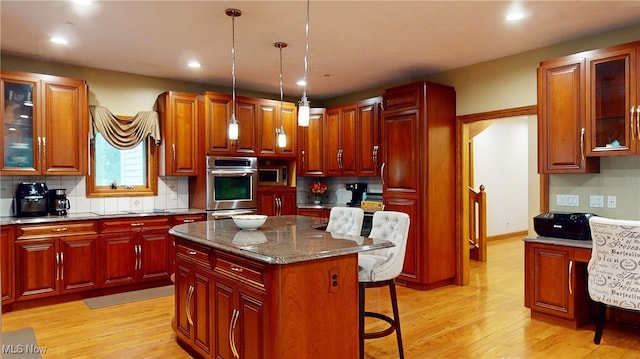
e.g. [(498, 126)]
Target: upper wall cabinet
[(216, 114), (180, 129), (613, 101), (45, 123), (340, 141), (271, 117), (311, 146), (562, 128)]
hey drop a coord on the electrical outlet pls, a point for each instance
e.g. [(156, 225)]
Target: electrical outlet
[(596, 201), (611, 201), (333, 280), (568, 200)]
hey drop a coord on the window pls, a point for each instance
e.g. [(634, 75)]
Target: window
[(122, 172)]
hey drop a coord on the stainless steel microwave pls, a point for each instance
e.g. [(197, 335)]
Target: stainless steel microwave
[(272, 176)]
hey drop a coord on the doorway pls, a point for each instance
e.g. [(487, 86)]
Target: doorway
[(466, 126)]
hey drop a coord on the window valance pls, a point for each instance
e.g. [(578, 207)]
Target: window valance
[(124, 133)]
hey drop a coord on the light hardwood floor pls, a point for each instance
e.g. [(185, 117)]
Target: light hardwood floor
[(486, 319)]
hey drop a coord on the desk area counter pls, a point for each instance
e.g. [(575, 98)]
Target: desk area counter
[(281, 240)]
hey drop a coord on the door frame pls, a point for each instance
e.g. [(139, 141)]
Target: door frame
[(462, 181)]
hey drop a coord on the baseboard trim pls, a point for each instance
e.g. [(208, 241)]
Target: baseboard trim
[(507, 235)]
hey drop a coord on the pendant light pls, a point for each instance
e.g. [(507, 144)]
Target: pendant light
[(233, 124), (303, 106), (282, 136)]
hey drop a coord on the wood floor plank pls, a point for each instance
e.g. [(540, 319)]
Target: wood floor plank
[(486, 319)]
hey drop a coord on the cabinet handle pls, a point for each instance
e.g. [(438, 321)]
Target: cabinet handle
[(173, 154), (232, 329), (44, 149), (61, 229), (62, 266), (375, 156), (638, 121), (302, 154), (188, 304), (382, 173), (582, 143), (140, 256), (137, 224), (135, 252), (57, 266), (633, 133), (570, 275), (188, 221), (191, 252), (237, 269)]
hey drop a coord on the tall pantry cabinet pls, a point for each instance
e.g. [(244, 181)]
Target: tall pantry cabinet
[(418, 175)]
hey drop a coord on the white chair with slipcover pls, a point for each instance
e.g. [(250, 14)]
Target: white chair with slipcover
[(614, 268), (345, 220), (380, 268)]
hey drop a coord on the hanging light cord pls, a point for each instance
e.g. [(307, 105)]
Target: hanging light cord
[(306, 52), (281, 91), (233, 65)]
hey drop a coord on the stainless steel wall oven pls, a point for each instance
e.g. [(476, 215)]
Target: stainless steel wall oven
[(232, 185)]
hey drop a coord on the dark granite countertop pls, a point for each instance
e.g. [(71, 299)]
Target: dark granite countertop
[(4, 221), (281, 240)]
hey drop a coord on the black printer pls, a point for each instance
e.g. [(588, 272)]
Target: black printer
[(565, 225)]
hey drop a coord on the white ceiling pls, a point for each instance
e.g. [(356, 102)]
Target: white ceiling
[(353, 45)]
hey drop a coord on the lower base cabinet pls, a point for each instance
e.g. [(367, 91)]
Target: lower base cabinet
[(7, 255), (556, 283), (233, 307), (134, 250), (54, 259)]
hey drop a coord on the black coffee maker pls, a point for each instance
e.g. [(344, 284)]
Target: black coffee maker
[(357, 189), (31, 199), (58, 202)]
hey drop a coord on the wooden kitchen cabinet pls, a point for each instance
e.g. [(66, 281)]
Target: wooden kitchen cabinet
[(556, 283), (134, 250), (277, 201), (53, 259), (180, 149), (311, 150), (613, 100), (238, 309), (314, 212), (368, 140), (562, 127), (270, 118), (193, 298), (418, 177), (45, 123), (7, 262), (216, 113), (340, 140)]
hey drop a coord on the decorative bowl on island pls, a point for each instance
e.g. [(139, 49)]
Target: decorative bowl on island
[(249, 221)]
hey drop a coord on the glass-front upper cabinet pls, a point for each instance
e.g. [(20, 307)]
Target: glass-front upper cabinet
[(18, 125), (613, 107)]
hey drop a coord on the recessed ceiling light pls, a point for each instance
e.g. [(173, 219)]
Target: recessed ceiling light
[(194, 64), (515, 16), (59, 40), (301, 82)]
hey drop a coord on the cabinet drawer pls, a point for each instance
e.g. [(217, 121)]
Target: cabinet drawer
[(242, 270), (194, 253), (49, 230), (189, 218), (134, 224)]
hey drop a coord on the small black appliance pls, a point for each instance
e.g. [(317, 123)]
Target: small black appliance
[(31, 200), (58, 202), (357, 189), (565, 225)]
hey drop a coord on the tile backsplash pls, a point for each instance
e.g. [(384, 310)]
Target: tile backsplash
[(173, 193)]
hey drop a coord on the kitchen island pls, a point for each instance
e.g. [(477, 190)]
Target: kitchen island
[(286, 290)]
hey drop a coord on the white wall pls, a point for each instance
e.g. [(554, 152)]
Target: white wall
[(501, 164)]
